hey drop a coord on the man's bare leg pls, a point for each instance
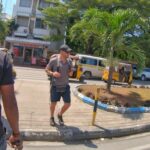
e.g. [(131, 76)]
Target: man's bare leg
[(63, 110), (52, 110)]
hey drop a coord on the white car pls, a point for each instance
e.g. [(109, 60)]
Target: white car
[(145, 74)]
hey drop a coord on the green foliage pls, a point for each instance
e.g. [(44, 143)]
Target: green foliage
[(72, 11), (110, 29), (3, 27), (56, 18), (3, 30), (12, 26)]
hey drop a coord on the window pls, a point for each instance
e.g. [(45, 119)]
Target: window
[(22, 21), (89, 61), (43, 4), (83, 60), (25, 3), (38, 52), (40, 24), (18, 51), (101, 64)]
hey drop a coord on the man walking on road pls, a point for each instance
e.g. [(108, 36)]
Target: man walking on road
[(60, 68), (9, 103)]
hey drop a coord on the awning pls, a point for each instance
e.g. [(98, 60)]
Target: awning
[(25, 40)]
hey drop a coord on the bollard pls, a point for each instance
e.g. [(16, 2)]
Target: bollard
[(95, 105)]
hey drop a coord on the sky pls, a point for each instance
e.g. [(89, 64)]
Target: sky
[(8, 6)]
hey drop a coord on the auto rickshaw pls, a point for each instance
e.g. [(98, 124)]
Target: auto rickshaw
[(121, 73), (77, 69)]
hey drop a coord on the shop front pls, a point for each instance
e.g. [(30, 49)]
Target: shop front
[(27, 53)]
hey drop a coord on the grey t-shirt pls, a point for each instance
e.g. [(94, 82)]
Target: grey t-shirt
[(55, 64)]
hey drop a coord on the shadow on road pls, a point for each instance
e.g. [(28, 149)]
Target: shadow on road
[(133, 116), (71, 134)]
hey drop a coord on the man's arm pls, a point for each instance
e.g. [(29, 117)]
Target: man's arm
[(10, 104), (10, 107), (48, 71)]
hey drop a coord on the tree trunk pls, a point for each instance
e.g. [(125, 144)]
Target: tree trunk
[(90, 44), (109, 78), (110, 70)]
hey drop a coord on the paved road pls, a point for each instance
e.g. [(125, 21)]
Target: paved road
[(26, 73), (137, 142)]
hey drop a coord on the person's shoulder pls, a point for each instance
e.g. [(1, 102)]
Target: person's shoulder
[(53, 58)]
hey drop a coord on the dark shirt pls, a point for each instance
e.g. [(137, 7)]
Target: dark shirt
[(6, 76)]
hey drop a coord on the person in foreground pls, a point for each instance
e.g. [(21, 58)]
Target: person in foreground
[(59, 68), (9, 103)]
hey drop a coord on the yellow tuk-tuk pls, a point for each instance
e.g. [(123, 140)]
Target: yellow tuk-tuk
[(77, 69), (121, 73)]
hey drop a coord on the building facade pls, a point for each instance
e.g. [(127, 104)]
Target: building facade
[(27, 42)]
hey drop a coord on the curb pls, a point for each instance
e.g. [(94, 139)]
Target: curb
[(74, 135), (110, 108)]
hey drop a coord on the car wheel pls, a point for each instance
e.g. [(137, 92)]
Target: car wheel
[(143, 78), (87, 74)]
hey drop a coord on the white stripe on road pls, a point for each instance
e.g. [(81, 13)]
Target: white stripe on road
[(143, 147)]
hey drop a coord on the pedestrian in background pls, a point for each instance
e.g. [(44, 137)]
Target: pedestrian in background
[(59, 68), (9, 103)]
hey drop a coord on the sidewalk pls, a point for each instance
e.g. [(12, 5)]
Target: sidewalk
[(33, 102)]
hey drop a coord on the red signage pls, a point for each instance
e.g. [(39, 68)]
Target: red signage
[(30, 45)]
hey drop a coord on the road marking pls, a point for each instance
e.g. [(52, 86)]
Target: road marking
[(33, 80), (140, 147)]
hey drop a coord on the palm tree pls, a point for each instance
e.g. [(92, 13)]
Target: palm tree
[(81, 33), (110, 29)]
